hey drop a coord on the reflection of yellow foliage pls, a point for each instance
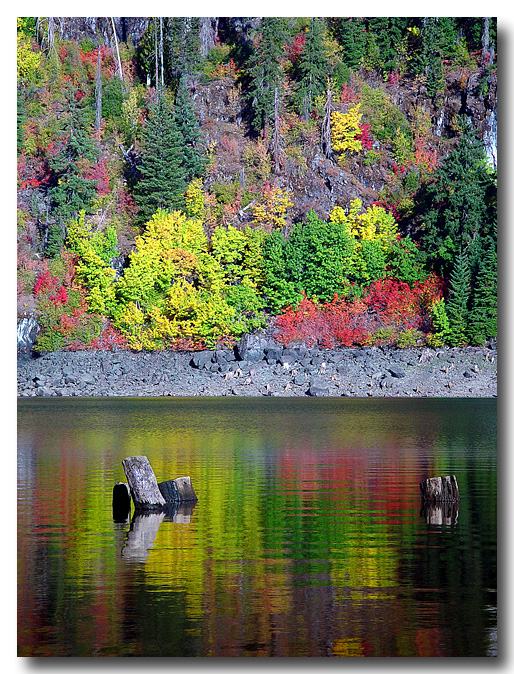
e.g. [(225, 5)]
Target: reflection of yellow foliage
[(348, 647)]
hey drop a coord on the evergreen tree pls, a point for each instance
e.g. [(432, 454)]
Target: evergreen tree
[(456, 210), (388, 33), (72, 192), (20, 120), (458, 298), (189, 127), (162, 175), (312, 68), (351, 35), (265, 71), (182, 52), (483, 316)]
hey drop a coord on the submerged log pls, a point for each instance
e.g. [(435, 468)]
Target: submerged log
[(120, 502), (143, 483), (442, 489), (179, 490)]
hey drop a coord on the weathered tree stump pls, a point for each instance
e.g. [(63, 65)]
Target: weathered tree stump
[(179, 490), (442, 489), (143, 484), (120, 502)]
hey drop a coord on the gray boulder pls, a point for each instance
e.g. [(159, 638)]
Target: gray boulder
[(201, 359), (318, 388), (251, 347)]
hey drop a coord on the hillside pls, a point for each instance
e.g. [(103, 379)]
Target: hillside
[(184, 181)]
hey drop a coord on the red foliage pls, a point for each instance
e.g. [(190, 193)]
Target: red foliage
[(393, 77), (398, 170), (98, 173), (365, 136), (296, 47), (45, 282), (110, 340), (79, 95), (60, 297), (424, 156), (125, 202), (348, 94), (63, 52), (387, 303), (33, 172), (388, 207)]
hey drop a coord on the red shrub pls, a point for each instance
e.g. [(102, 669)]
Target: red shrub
[(60, 297), (386, 303), (348, 94), (98, 173), (296, 47), (393, 77), (45, 282), (365, 137), (110, 340)]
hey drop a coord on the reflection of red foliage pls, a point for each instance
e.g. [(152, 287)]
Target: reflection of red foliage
[(386, 303)]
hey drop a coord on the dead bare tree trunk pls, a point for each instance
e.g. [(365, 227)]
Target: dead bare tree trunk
[(51, 33), (326, 128), (208, 33), (161, 49), (275, 141), (120, 69), (98, 91), (156, 56)]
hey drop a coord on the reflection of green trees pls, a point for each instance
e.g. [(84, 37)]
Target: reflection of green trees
[(306, 509)]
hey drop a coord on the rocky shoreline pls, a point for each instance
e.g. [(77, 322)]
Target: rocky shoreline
[(254, 368)]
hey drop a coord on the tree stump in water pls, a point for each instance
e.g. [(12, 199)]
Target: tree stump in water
[(120, 501), (442, 489), (143, 483), (179, 490)]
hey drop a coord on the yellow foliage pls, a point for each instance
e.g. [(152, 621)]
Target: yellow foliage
[(195, 199), (375, 223), (345, 129), (272, 210), (28, 61)]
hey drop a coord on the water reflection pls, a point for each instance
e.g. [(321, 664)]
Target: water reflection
[(306, 539), (439, 514)]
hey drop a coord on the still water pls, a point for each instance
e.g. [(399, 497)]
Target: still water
[(307, 539)]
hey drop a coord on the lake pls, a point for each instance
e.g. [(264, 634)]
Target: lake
[(307, 538)]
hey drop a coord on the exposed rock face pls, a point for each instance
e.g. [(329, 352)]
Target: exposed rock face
[(26, 333)]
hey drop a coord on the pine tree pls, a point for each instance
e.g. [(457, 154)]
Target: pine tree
[(312, 68), (351, 35), (182, 50), (162, 175), (265, 71), (458, 299), (456, 211), (388, 33), (483, 316), (189, 127)]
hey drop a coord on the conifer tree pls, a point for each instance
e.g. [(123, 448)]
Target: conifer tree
[(458, 298), (483, 316), (456, 211), (162, 176), (351, 35), (312, 68), (265, 71), (189, 127)]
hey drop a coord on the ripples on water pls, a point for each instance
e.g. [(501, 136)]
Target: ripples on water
[(307, 538)]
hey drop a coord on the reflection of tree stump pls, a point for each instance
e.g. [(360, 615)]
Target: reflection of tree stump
[(445, 513), (141, 536), (436, 490)]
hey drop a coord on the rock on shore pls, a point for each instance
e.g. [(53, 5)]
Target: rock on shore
[(256, 369)]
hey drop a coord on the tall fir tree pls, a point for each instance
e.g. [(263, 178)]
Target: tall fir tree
[(265, 71), (456, 211), (483, 315), (72, 191), (351, 35), (312, 68), (189, 127), (162, 179), (389, 33), (458, 300)]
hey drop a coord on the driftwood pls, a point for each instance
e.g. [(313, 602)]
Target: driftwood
[(143, 484), (148, 496), (178, 490), (436, 490), (120, 502)]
